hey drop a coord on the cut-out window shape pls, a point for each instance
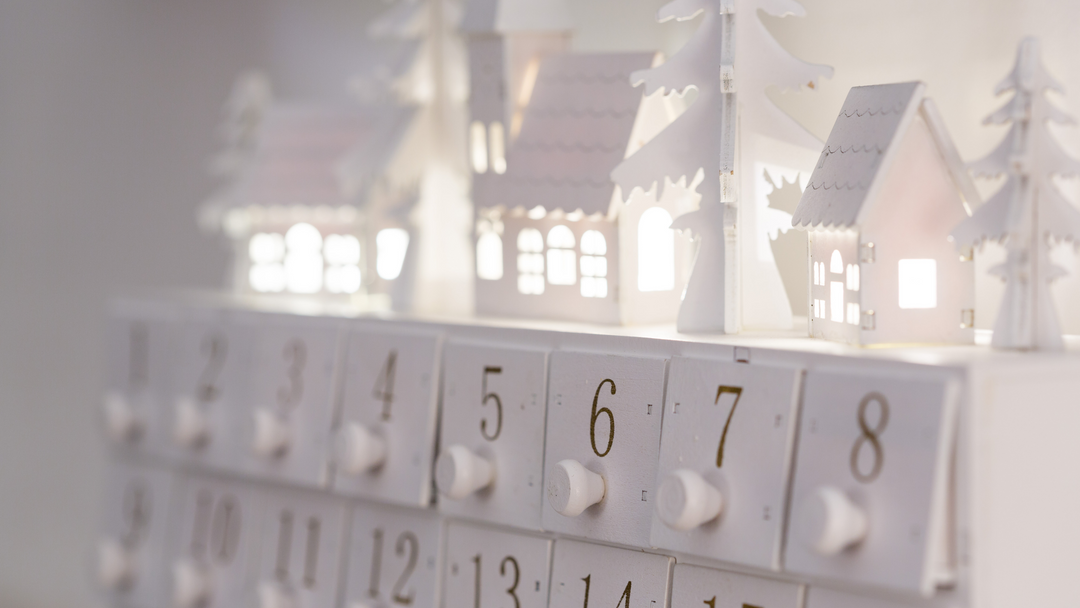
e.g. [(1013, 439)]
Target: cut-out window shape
[(561, 258), (593, 265), (530, 261), (836, 264), (478, 147), (266, 251), (489, 257), (836, 301), (853, 313), (497, 150), (342, 255), (656, 251), (303, 259), (918, 283), (391, 246), (853, 277)]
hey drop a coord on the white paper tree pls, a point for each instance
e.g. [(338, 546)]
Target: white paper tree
[(1028, 214), (730, 114)]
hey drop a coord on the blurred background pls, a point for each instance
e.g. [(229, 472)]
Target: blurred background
[(108, 118)]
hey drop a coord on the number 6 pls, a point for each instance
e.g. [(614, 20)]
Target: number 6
[(596, 414)]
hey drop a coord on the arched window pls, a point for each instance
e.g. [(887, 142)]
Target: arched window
[(342, 255), (266, 251), (478, 147), (391, 245), (530, 261), (836, 264), (303, 259), (656, 251), (853, 277), (489, 257), (561, 258), (498, 147), (593, 265)]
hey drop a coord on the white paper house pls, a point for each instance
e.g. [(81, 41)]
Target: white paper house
[(879, 206), (295, 213), (554, 239)]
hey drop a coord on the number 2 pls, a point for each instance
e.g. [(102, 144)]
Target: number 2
[(733, 390), (498, 406)]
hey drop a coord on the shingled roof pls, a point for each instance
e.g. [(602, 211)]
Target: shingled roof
[(857, 153), (575, 130)]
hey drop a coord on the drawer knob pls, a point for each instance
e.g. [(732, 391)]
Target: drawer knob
[(830, 522), (460, 472), (191, 427), (686, 500), (572, 488)]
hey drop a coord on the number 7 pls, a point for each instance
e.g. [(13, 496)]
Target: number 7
[(734, 390)]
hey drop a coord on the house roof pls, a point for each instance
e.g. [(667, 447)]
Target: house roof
[(860, 149), (575, 130), (501, 16)]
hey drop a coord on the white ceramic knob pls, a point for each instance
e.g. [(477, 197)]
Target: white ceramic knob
[(830, 522), (685, 500), (121, 421), (357, 450), (460, 472), (115, 567), (273, 595), (191, 584), (272, 437), (191, 427), (572, 488)]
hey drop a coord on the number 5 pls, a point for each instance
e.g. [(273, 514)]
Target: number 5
[(498, 405)]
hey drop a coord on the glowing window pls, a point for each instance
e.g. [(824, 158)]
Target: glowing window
[(656, 251), (303, 259), (918, 283), (498, 147), (836, 301), (342, 255), (836, 264), (561, 258), (593, 265), (266, 251), (530, 261), (853, 313), (266, 247), (391, 246), (343, 279), (478, 147), (489, 257), (853, 277)]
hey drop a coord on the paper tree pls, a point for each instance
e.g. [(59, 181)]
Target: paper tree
[(1028, 214), (735, 130), (245, 111)]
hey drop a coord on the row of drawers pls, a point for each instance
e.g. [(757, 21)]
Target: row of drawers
[(830, 472), (196, 540)]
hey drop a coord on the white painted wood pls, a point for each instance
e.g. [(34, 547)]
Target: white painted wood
[(494, 404), (394, 556), (751, 409), (585, 574), (300, 555), (391, 381), (696, 586), (885, 441), (506, 569), (291, 382), (604, 411)]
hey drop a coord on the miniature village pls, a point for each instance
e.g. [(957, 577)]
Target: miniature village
[(486, 169)]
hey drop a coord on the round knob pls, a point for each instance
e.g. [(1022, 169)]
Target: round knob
[(272, 437), (191, 427), (121, 421), (357, 450), (686, 500), (572, 488), (273, 595), (116, 568), (460, 472), (830, 522), (191, 584)]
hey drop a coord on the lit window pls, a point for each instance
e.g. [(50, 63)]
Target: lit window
[(343, 279), (593, 265), (561, 257), (266, 251), (489, 257), (267, 278), (656, 251), (853, 313), (498, 148), (342, 255), (918, 283), (303, 259), (266, 247), (530, 261), (836, 264), (478, 143), (853, 277), (391, 246), (836, 301)]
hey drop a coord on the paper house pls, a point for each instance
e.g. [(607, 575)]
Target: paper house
[(296, 210), (554, 239), (887, 189)]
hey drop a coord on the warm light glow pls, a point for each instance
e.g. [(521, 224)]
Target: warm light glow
[(498, 148), (561, 258), (853, 277), (478, 145), (593, 265), (391, 246), (267, 278), (266, 247), (853, 313), (530, 261), (489, 257), (303, 237), (342, 249), (836, 301), (537, 213), (918, 283), (303, 271), (593, 243), (656, 251), (343, 279), (530, 241), (836, 264)]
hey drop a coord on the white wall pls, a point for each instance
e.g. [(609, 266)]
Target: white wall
[(107, 117)]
